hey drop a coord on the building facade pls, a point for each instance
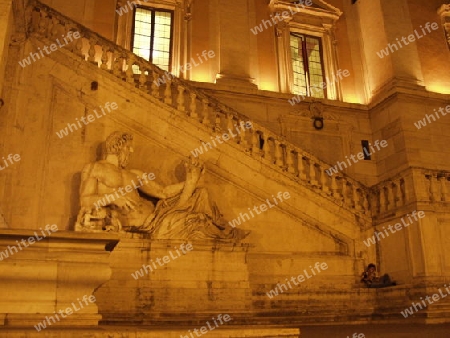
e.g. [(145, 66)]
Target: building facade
[(347, 103)]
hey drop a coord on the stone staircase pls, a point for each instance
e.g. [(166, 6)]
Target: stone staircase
[(302, 170), (301, 167), (211, 115)]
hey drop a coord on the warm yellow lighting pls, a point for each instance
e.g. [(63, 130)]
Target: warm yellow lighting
[(200, 76), (353, 99), (441, 89), (269, 86)]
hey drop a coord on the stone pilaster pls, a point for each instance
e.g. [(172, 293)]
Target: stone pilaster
[(235, 52)]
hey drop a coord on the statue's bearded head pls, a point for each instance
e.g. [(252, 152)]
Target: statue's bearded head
[(121, 145)]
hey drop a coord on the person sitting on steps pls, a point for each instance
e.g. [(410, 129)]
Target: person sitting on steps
[(372, 280)]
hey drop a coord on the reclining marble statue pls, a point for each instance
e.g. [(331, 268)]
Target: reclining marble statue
[(182, 211)]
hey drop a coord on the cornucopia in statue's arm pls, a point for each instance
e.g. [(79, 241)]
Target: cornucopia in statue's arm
[(111, 201)]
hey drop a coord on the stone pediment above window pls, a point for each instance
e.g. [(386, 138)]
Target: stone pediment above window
[(300, 10)]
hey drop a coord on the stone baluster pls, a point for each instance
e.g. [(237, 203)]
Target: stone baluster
[(433, 189), (142, 77), (335, 188), (428, 184), (205, 111), (168, 92), (344, 191), (278, 153), (193, 106), (180, 98), (390, 196), (71, 43), (243, 136), (402, 191), (375, 201), (444, 190), (79, 47), (350, 200), (395, 194), (356, 197), (290, 160), (352, 196), (55, 28), (36, 16), (116, 64), (61, 33), (217, 123), (324, 181), (266, 147), (129, 74), (48, 27), (255, 139), (67, 31), (312, 174), (104, 58), (43, 23), (437, 188), (154, 86), (229, 123), (91, 52), (301, 167), (366, 205), (383, 201)]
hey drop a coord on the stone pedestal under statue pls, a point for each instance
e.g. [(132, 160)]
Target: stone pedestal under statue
[(43, 273), (153, 281)]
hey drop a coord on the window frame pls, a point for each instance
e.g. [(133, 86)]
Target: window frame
[(125, 27), (152, 39), (318, 21), (308, 88)]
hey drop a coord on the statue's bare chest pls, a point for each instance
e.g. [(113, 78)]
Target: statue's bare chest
[(114, 177)]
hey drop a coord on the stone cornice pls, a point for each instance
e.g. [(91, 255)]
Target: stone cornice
[(321, 9)]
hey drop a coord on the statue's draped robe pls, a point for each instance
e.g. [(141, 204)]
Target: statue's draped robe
[(198, 218)]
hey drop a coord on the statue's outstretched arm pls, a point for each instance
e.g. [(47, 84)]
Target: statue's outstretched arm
[(154, 189), (194, 169)]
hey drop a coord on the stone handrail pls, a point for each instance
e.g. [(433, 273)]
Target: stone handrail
[(437, 186), (389, 195), (413, 185), (258, 142)]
